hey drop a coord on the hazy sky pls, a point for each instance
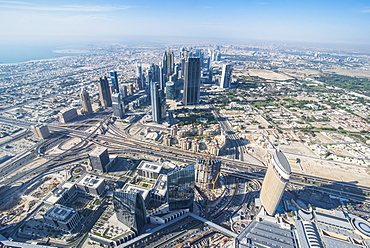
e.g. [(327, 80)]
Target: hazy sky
[(112, 20)]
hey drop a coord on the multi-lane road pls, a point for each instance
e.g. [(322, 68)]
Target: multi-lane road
[(121, 142)]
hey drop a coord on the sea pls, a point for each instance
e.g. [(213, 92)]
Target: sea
[(14, 53)]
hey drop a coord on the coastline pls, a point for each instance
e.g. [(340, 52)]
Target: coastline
[(68, 53)]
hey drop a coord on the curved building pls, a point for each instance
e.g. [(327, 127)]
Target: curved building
[(180, 188), (130, 210), (276, 178)]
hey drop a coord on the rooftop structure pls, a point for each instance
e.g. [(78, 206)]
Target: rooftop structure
[(143, 191)]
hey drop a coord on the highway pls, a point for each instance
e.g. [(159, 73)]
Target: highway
[(122, 142)]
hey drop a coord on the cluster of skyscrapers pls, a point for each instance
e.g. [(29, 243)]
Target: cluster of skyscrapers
[(109, 96), (161, 82)]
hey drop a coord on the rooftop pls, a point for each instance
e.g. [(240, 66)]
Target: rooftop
[(152, 167), (91, 181), (61, 213), (281, 161), (266, 233), (98, 151)]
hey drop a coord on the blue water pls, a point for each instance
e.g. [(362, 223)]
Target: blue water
[(14, 53)]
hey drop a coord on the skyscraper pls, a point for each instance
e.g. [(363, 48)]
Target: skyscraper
[(226, 76), (158, 102), (192, 81), (130, 210), (207, 171), (118, 105), (170, 90), (99, 159), (104, 92), (180, 188), (140, 76), (85, 102), (114, 79), (276, 178), (168, 63)]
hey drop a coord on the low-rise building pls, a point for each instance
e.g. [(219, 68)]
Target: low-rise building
[(149, 170), (62, 218), (92, 185)]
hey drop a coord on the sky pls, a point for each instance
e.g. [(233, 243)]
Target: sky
[(94, 21)]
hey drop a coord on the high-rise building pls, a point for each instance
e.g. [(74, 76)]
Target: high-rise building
[(40, 131), (104, 92), (130, 210), (180, 188), (276, 178), (158, 102), (85, 102), (226, 76), (118, 105), (168, 63), (114, 79), (192, 81), (207, 172), (99, 159), (140, 76), (67, 114), (170, 91)]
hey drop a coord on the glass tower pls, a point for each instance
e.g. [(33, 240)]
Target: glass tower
[(130, 210), (104, 92), (114, 79), (191, 82), (180, 188)]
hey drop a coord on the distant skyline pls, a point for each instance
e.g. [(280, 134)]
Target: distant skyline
[(94, 21)]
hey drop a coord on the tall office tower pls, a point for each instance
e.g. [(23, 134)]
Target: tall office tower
[(140, 76), (67, 114), (158, 102), (155, 72), (104, 92), (99, 159), (207, 172), (191, 82), (210, 75), (226, 76), (124, 91), (168, 63), (170, 91), (114, 79), (118, 106), (276, 178), (180, 188), (162, 78), (40, 131), (85, 102), (130, 210), (130, 89)]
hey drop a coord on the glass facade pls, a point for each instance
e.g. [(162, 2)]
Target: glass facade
[(130, 210), (180, 188)]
